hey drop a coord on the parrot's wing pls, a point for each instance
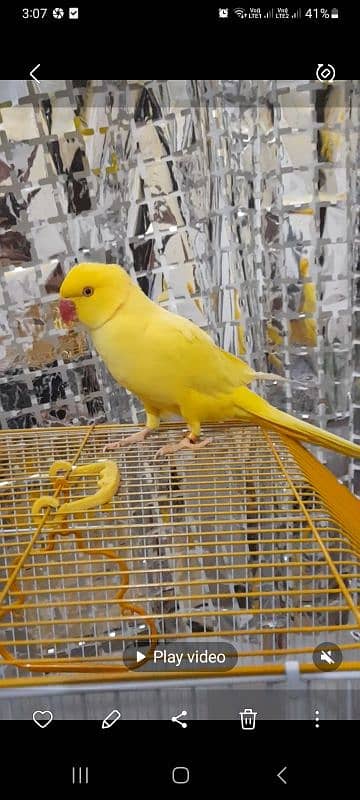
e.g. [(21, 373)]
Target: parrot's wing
[(240, 371), (204, 366)]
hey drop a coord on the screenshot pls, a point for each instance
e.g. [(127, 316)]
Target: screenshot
[(179, 400)]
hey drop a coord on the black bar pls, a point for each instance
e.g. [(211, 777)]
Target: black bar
[(139, 757)]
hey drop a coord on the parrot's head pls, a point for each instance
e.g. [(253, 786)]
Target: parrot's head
[(92, 293)]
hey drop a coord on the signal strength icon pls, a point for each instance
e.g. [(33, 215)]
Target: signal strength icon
[(240, 12), (296, 14), (269, 14)]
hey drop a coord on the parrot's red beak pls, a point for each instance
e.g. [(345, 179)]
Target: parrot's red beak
[(67, 311)]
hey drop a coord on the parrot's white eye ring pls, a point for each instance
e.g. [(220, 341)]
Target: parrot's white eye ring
[(88, 291)]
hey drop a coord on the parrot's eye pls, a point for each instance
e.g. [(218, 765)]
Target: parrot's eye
[(88, 291)]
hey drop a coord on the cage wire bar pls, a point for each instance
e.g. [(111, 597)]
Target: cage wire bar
[(230, 544)]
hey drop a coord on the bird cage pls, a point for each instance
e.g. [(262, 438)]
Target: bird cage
[(105, 555)]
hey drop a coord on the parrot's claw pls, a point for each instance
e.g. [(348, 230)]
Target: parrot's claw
[(135, 438), (184, 444)]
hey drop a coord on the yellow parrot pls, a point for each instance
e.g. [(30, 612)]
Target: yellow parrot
[(172, 366)]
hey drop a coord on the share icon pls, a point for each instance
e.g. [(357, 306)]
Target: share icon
[(178, 720)]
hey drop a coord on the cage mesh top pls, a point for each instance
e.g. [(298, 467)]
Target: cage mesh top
[(230, 545)]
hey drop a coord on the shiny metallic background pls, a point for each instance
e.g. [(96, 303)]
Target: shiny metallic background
[(234, 203)]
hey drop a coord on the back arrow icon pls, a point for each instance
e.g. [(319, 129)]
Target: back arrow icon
[(280, 775), (34, 76)]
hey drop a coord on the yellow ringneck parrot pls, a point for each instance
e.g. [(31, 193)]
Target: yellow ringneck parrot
[(172, 366)]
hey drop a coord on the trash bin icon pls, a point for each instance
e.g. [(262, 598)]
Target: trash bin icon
[(248, 719)]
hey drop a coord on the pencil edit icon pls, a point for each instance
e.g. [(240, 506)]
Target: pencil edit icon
[(111, 718)]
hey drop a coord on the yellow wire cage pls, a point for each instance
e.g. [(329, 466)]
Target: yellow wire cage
[(101, 554)]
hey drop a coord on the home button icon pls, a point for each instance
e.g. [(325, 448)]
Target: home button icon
[(180, 775)]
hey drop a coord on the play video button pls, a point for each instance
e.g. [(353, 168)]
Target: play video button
[(134, 658), (139, 657), (185, 657)]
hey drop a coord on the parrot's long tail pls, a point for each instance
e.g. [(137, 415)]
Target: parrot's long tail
[(268, 416), (343, 506)]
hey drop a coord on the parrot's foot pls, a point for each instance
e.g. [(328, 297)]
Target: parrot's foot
[(187, 443), (135, 438)]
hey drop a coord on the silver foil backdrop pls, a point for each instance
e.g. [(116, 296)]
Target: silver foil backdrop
[(233, 202)]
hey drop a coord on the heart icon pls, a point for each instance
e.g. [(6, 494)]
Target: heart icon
[(43, 718)]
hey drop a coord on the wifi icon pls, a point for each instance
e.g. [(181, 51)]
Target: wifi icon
[(240, 12)]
